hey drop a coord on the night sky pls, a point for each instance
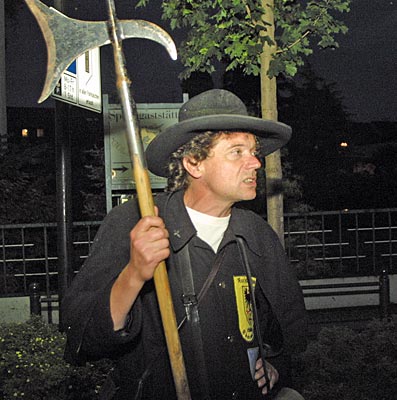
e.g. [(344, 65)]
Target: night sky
[(363, 68)]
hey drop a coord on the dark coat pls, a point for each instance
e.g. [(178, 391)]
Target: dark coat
[(140, 347)]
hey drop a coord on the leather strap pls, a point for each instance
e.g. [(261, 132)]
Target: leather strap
[(184, 259), (262, 352), (207, 283), (191, 302)]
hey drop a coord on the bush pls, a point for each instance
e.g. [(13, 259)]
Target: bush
[(340, 364), (32, 365), (350, 365)]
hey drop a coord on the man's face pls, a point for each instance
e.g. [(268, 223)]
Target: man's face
[(228, 174)]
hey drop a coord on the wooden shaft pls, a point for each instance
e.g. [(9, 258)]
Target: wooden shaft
[(53, 26), (146, 205), (163, 290)]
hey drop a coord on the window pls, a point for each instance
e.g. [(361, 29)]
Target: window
[(40, 132)]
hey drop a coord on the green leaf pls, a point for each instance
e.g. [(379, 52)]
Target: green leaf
[(234, 32), (291, 69)]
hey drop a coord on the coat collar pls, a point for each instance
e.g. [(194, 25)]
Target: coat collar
[(177, 220), (181, 229), (242, 224)]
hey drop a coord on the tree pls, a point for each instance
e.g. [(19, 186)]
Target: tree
[(266, 38)]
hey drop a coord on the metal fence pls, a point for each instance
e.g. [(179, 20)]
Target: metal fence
[(319, 244), (342, 244), (29, 255)]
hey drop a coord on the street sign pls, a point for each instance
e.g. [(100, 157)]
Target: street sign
[(80, 84), (152, 119)]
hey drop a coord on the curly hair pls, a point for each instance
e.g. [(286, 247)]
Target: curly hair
[(198, 150)]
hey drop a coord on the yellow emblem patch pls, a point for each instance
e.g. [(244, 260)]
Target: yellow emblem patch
[(244, 307)]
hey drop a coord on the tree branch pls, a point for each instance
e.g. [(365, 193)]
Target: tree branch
[(307, 33)]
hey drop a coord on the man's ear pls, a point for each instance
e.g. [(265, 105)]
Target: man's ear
[(192, 166)]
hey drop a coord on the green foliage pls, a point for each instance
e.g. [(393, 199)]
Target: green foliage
[(301, 26), (235, 32), (340, 363), (32, 365), (346, 364)]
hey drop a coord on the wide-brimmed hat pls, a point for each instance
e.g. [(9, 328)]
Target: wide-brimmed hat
[(213, 110)]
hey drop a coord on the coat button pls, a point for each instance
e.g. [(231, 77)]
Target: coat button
[(235, 395), (222, 285), (230, 338)]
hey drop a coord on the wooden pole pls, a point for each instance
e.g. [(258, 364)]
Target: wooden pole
[(96, 34), (146, 205)]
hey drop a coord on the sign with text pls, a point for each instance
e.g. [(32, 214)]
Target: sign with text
[(80, 84), (153, 118)]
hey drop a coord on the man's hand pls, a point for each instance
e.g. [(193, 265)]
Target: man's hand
[(149, 245), (261, 378)]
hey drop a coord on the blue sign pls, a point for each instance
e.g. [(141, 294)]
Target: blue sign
[(72, 67)]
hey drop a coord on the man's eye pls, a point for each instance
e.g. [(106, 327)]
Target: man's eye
[(236, 151)]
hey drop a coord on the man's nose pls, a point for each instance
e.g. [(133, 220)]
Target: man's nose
[(253, 162)]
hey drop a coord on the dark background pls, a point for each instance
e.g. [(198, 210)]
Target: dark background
[(363, 68)]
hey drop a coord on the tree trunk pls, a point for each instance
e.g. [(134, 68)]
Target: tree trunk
[(274, 195)]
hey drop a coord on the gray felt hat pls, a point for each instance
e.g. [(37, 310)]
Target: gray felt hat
[(213, 110)]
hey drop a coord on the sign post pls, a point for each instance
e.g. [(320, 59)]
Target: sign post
[(153, 118)]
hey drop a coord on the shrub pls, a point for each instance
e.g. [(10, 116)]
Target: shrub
[(32, 365), (345, 364), (340, 364)]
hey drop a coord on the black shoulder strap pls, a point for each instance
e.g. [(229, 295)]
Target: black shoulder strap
[(262, 352), (191, 303)]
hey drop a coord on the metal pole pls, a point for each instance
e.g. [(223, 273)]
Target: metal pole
[(64, 199), (34, 294), (384, 294), (64, 193)]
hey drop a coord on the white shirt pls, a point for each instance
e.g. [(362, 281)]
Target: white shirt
[(209, 228)]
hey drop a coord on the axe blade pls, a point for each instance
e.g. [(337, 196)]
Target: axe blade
[(137, 28), (67, 38)]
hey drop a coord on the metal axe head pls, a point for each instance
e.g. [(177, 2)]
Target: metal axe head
[(67, 38)]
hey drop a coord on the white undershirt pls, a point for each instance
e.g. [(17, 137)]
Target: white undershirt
[(209, 228)]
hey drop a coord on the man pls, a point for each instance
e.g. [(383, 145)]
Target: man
[(233, 290)]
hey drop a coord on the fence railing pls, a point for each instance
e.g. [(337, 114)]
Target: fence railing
[(319, 244), (344, 243), (29, 255)]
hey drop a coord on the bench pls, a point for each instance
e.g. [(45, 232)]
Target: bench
[(341, 292)]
